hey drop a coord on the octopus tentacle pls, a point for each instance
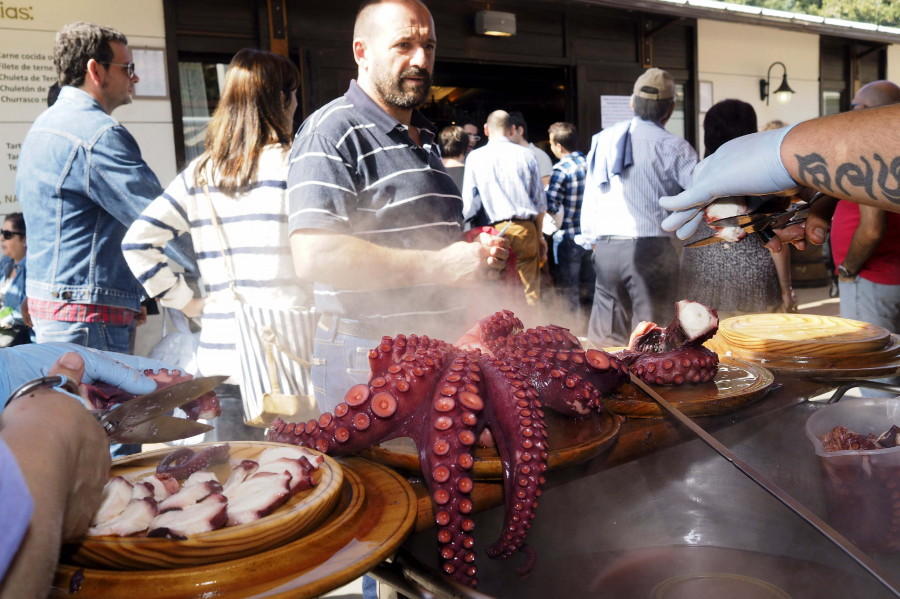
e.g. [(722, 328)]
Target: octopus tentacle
[(382, 410), (447, 459), (517, 423), (183, 462), (685, 364)]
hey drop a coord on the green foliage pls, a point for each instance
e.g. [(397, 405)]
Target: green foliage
[(879, 12)]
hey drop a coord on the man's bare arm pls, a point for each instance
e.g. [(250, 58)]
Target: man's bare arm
[(348, 262), (869, 233)]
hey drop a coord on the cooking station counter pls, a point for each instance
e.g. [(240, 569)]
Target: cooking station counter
[(660, 514)]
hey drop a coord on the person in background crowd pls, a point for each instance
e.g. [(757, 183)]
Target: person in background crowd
[(502, 177), (81, 182), (574, 270), (51, 488), (454, 147), (472, 131), (774, 124), (244, 168), (866, 246), (14, 329), (383, 250), (708, 272), (629, 166), (519, 135)]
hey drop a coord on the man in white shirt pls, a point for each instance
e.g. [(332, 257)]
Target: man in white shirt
[(631, 165), (502, 177)]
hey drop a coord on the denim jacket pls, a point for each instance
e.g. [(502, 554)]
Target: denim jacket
[(81, 182), (15, 293)]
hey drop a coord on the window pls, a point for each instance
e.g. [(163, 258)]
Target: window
[(201, 88)]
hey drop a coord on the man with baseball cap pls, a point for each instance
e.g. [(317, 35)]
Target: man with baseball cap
[(631, 165)]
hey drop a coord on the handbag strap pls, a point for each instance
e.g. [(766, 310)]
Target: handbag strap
[(220, 236)]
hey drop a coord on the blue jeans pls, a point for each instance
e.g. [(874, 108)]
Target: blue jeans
[(876, 304), (96, 335), (339, 362)]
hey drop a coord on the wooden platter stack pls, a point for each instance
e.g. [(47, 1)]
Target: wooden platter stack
[(809, 345), (356, 516)]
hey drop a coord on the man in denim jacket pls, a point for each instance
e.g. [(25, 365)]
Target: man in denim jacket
[(81, 182)]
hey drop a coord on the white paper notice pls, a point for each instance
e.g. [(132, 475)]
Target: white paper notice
[(150, 67), (615, 109)]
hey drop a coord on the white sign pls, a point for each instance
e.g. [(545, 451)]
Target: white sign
[(150, 67), (615, 109)]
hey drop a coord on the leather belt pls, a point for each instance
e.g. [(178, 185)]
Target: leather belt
[(616, 238), (346, 326), (515, 220)]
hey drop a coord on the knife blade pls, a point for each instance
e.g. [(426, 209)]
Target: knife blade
[(127, 414), (159, 430)]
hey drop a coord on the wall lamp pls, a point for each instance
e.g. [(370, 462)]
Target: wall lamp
[(495, 23), (784, 91)]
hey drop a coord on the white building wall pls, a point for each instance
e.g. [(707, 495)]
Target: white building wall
[(893, 63), (734, 57)]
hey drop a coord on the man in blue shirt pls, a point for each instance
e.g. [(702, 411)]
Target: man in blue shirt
[(574, 269), (81, 182)]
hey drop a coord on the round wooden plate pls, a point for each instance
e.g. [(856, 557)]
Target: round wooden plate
[(571, 442), (801, 335), (300, 513), (737, 384), (375, 513), (867, 365)]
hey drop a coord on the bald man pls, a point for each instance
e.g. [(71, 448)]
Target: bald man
[(868, 259), (376, 221)]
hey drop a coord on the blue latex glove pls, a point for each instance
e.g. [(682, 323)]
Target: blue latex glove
[(22, 363), (748, 165)]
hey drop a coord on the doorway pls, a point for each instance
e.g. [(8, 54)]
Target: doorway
[(468, 92)]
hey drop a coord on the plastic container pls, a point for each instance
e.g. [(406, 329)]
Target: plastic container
[(862, 488)]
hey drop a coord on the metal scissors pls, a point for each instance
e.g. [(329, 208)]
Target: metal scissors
[(145, 418), (761, 223)]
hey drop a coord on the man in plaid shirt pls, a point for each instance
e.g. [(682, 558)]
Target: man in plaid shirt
[(575, 271)]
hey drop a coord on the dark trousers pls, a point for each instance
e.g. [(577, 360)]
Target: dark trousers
[(637, 280)]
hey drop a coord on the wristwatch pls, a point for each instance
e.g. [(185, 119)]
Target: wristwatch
[(844, 273)]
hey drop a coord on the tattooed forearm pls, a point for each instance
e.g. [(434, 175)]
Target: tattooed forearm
[(813, 171), (857, 176), (851, 179)]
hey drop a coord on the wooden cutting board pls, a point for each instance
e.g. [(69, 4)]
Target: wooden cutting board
[(804, 335)]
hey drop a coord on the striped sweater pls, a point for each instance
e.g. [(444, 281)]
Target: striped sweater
[(255, 227)]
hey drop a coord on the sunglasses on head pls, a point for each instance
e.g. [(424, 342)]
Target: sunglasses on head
[(9, 234)]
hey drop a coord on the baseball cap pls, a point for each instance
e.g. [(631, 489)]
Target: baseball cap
[(655, 84)]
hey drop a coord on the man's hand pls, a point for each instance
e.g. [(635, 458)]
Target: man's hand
[(469, 264), (748, 165), (65, 473), (814, 230), (22, 363)]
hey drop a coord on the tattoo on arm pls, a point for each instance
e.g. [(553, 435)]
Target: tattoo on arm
[(814, 172)]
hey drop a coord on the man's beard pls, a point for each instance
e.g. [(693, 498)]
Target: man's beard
[(393, 94)]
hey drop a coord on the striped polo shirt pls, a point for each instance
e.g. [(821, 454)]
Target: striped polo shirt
[(355, 170)]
